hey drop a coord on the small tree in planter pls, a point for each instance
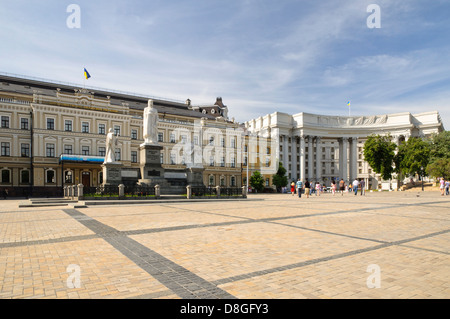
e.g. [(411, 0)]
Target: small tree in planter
[(280, 179), (257, 181)]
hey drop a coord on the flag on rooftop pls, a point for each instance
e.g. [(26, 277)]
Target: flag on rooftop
[(86, 74)]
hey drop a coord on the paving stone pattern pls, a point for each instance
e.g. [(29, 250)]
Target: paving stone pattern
[(278, 246)]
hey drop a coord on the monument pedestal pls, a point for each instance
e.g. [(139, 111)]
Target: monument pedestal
[(112, 173), (152, 173), (195, 176)]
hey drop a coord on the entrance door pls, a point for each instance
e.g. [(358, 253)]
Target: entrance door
[(86, 179)]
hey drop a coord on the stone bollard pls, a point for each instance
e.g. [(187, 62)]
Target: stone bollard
[(73, 189), (189, 192), (80, 191), (157, 191), (121, 191), (218, 191), (244, 191)]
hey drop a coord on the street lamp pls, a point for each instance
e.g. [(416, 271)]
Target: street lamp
[(421, 172)]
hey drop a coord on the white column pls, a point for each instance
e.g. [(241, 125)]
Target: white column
[(353, 158), (318, 159), (285, 153), (302, 158), (310, 158), (343, 159), (293, 158)]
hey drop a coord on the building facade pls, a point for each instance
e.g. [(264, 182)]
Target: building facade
[(53, 135), (325, 148)]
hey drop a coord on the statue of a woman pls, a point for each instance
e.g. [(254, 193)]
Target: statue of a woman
[(150, 132), (111, 142)]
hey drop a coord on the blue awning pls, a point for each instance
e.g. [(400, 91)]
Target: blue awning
[(81, 158)]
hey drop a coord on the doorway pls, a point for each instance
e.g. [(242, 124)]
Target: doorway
[(86, 179)]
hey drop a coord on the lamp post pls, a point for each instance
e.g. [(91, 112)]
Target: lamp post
[(421, 172)]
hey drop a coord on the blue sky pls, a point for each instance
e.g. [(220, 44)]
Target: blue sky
[(259, 56)]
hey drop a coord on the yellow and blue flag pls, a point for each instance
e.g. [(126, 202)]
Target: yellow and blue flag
[(86, 74), (348, 103)]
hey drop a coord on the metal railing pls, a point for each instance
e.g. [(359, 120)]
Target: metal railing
[(230, 191), (139, 191), (203, 192), (101, 191)]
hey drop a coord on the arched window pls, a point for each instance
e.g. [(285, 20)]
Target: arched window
[(68, 177), (50, 176), (6, 176), (25, 176)]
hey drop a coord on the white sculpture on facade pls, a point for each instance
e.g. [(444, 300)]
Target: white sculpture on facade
[(150, 131), (192, 155), (111, 142)]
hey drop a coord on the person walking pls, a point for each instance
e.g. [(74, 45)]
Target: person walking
[(342, 186), (292, 188), (442, 186), (447, 187), (307, 188), (299, 186), (362, 184), (333, 187), (317, 188), (355, 186)]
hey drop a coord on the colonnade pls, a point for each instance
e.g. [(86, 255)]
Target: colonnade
[(308, 149)]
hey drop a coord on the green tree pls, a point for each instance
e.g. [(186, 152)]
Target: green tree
[(440, 146), (439, 168), (439, 165), (413, 156), (257, 181), (280, 179), (379, 153)]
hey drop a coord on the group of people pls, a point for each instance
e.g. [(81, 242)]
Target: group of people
[(308, 188), (444, 186)]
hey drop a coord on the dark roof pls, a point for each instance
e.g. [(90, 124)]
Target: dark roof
[(28, 86)]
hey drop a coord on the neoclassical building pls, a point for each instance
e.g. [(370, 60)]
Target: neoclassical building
[(53, 135), (323, 148)]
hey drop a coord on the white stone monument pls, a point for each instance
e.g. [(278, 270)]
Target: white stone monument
[(112, 169), (194, 164), (152, 173)]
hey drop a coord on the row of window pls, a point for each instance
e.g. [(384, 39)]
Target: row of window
[(6, 176), (85, 128), (68, 126), (85, 150), (50, 176), (222, 181)]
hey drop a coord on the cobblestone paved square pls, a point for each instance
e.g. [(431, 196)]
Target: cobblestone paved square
[(382, 245)]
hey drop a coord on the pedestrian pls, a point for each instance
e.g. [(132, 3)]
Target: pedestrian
[(292, 188), (442, 186), (299, 185), (362, 184), (317, 188), (355, 186), (342, 186), (447, 186), (333, 187), (307, 188)]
